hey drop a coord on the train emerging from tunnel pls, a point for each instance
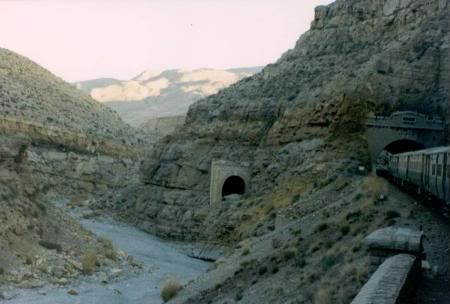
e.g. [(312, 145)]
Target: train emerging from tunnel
[(425, 172)]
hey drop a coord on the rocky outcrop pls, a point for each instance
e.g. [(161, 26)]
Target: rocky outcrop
[(159, 127)]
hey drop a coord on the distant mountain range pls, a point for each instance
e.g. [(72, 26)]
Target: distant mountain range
[(154, 93)]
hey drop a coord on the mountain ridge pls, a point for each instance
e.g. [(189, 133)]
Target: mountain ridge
[(161, 93)]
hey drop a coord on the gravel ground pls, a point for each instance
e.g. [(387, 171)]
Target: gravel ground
[(434, 287)]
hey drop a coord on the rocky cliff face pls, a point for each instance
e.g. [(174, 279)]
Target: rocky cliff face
[(300, 125), (155, 94)]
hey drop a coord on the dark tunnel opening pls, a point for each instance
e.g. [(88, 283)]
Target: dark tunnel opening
[(403, 145), (396, 147), (233, 185)]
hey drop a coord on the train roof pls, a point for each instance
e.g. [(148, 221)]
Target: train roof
[(427, 151)]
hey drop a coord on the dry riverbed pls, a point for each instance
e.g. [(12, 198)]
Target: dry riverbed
[(155, 261)]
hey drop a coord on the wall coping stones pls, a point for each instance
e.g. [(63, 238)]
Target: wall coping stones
[(396, 239), (392, 283)]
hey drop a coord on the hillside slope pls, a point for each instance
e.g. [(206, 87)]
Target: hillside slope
[(55, 140), (155, 94), (31, 93), (300, 126)]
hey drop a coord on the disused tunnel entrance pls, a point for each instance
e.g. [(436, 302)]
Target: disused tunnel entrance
[(233, 185), (403, 145)]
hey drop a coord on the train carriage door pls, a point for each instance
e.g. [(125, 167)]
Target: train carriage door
[(422, 170), (427, 172), (439, 175), (445, 173)]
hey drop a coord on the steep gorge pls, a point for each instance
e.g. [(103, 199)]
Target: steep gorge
[(300, 125)]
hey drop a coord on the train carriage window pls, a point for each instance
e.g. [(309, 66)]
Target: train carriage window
[(439, 170), (433, 170)]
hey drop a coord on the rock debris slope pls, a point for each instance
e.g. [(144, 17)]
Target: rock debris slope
[(300, 124)]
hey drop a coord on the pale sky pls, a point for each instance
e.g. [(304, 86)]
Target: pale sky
[(86, 39)]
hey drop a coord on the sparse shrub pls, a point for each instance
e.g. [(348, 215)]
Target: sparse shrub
[(275, 269), (109, 252), (329, 261), (345, 230), (289, 254), (89, 262), (262, 270), (41, 207), (352, 217), (276, 243), (246, 251), (295, 198), (2, 270), (300, 261), (321, 227), (391, 214), (28, 260), (239, 295), (21, 154), (170, 289), (358, 196), (297, 232)]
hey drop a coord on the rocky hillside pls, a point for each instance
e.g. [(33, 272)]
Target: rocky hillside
[(55, 140), (31, 94), (154, 94), (300, 125)]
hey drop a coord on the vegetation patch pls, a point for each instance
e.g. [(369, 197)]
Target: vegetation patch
[(170, 289)]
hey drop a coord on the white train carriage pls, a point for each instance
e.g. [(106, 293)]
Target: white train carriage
[(426, 170)]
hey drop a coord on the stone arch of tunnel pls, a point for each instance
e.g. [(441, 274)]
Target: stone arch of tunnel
[(233, 185), (402, 132), (228, 177)]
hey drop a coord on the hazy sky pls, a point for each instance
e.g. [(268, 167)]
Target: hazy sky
[(85, 39)]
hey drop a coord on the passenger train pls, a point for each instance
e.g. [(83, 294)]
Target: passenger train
[(427, 172)]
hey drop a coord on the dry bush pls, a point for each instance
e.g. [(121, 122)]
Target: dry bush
[(89, 262), (170, 289), (324, 295), (109, 250)]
